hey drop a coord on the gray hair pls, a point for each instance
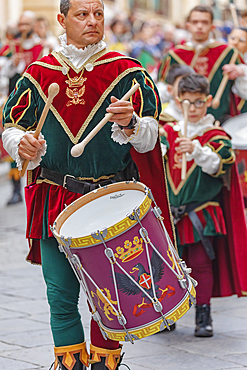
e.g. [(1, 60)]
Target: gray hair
[(66, 4)]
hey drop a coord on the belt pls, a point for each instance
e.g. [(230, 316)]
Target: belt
[(82, 187), (178, 213)]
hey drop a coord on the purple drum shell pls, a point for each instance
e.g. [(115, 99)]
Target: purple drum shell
[(98, 266)]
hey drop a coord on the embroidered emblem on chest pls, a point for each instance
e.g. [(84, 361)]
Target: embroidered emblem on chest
[(177, 161), (75, 90)]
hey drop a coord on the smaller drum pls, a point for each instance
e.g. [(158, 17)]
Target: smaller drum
[(236, 127), (117, 244)]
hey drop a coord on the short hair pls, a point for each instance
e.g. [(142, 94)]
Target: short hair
[(202, 9), (178, 70), (242, 29), (193, 83), (66, 4)]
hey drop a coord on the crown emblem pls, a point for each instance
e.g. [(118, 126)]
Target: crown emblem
[(76, 81), (130, 250)]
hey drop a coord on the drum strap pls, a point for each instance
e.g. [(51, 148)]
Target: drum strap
[(83, 187), (179, 212)]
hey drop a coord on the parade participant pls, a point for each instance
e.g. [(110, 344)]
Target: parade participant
[(171, 111), (238, 40), (212, 60), (91, 80), (49, 41), (207, 233), (20, 51)]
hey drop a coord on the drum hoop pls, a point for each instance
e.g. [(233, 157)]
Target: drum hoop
[(113, 230), (153, 327)]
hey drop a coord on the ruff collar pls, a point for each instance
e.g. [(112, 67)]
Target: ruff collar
[(198, 128), (79, 56), (193, 44)]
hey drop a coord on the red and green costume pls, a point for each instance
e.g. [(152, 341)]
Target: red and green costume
[(209, 64), (80, 105), (220, 210)]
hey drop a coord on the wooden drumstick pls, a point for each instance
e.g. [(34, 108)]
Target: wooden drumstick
[(234, 15), (221, 88), (198, 51), (53, 90), (78, 149), (186, 106)]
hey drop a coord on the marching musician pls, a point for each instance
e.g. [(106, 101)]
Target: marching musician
[(207, 204), (212, 61), (91, 80), (19, 51)]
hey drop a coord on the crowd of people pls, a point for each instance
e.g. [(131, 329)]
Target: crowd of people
[(190, 85)]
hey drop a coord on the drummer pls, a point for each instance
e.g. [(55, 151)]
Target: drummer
[(92, 80), (196, 202), (212, 62)]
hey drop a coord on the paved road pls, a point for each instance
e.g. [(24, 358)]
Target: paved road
[(25, 337)]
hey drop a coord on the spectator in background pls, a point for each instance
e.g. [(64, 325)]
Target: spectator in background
[(119, 36), (42, 29)]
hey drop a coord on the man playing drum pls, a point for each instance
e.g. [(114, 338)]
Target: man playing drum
[(91, 80)]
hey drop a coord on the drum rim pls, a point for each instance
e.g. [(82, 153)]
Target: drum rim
[(93, 195)]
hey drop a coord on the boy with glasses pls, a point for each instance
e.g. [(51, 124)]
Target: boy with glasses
[(196, 202)]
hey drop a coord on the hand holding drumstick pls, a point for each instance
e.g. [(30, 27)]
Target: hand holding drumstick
[(30, 144)]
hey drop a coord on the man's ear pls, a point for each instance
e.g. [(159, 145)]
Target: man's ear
[(170, 89), (209, 101), (61, 20), (177, 102)]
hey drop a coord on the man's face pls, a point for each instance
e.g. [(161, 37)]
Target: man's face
[(200, 24), (25, 25), (238, 39), (84, 23)]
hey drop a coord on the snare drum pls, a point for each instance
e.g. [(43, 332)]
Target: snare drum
[(237, 128), (117, 244)]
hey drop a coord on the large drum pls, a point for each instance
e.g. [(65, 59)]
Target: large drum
[(237, 128), (117, 244)]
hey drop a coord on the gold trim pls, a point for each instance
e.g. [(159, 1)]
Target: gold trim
[(8, 125), (77, 178), (28, 92), (218, 62), (67, 353), (176, 57), (112, 356), (241, 104), (214, 204), (174, 315)]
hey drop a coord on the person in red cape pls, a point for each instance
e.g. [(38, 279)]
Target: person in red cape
[(207, 205), (92, 81)]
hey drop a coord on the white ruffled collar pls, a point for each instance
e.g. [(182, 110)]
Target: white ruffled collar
[(192, 43), (198, 127), (79, 56)]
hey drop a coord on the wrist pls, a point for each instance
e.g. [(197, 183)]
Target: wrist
[(131, 124)]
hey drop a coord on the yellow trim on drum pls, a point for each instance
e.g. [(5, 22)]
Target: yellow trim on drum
[(154, 327)]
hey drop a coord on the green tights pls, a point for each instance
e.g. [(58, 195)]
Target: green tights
[(63, 291)]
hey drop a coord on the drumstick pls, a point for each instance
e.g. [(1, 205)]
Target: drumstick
[(78, 149), (221, 88), (234, 15), (186, 106), (53, 90), (198, 51)]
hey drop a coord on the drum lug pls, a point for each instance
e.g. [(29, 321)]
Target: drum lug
[(144, 234), (158, 308), (122, 320), (99, 234), (163, 326), (130, 338), (110, 255), (135, 214), (157, 212), (183, 283)]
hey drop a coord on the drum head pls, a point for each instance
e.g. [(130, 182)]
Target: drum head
[(101, 213), (237, 128)]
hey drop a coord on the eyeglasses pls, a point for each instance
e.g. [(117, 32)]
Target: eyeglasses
[(197, 103)]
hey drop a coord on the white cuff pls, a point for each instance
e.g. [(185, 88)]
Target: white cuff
[(240, 85), (143, 138), (204, 157), (11, 139)]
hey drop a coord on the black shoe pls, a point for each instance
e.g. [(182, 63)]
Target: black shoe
[(203, 321), (16, 198)]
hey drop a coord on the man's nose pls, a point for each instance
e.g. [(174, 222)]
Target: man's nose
[(91, 19)]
